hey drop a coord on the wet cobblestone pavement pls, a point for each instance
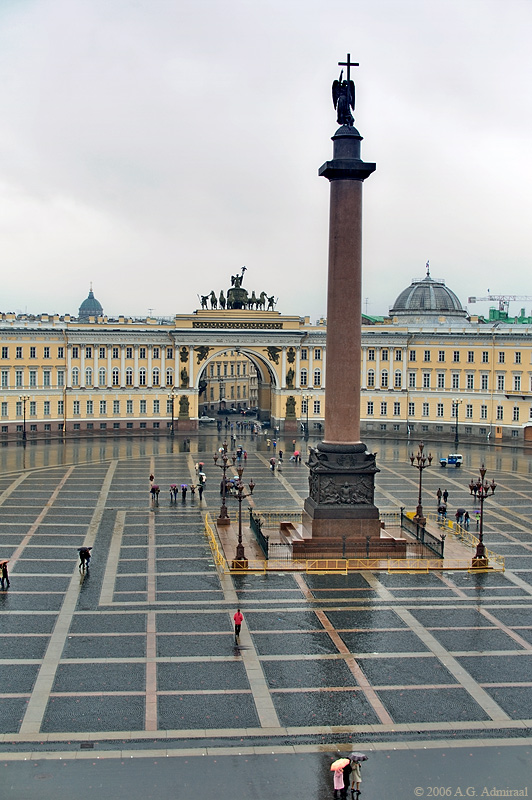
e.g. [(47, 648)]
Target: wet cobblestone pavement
[(136, 662)]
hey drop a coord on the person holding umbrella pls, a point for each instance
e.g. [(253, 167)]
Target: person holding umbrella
[(356, 777), (338, 778)]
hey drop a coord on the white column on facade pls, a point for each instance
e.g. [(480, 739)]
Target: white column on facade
[(82, 367), (310, 380), (363, 378), (95, 377), (191, 368), (69, 366), (298, 368), (283, 369), (150, 373), (404, 354), (377, 367), (136, 366), (109, 367), (324, 364), (122, 365), (163, 366)]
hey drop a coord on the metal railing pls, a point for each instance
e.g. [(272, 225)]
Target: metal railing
[(255, 523), (427, 539)]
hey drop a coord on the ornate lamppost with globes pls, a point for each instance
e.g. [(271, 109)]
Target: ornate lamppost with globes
[(24, 399), (422, 462), (456, 405), (481, 489), (240, 561), (223, 519), (171, 398)]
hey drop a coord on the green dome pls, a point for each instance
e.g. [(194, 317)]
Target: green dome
[(90, 307)]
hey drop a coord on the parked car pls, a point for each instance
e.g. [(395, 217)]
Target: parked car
[(204, 418), (452, 460)]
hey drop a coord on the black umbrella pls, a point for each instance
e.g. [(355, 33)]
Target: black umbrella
[(357, 757)]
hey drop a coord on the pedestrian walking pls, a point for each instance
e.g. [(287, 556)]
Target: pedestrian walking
[(193, 490), (438, 495), (84, 558), (237, 618), (356, 776), (173, 492), (445, 496), (154, 491), (4, 576), (280, 455), (272, 464), (184, 488), (200, 490), (347, 777), (466, 520), (338, 782)]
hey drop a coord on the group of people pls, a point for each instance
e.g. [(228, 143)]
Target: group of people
[(462, 516), (175, 488), (347, 776)]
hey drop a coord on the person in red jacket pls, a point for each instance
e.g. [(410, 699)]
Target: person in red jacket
[(238, 623)]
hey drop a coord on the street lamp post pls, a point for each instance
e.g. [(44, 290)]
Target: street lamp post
[(306, 398), (24, 399), (240, 561), (422, 462), (456, 404), (223, 519), (481, 489), (172, 398)]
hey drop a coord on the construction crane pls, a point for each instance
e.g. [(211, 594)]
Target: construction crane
[(503, 300)]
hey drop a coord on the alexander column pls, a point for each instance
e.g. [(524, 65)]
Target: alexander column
[(340, 505)]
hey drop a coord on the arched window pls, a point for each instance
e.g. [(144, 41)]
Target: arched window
[(317, 377), (75, 377), (129, 377), (88, 377), (101, 376), (169, 377), (398, 379), (155, 376), (304, 377), (142, 377), (116, 376), (384, 379), (371, 378)]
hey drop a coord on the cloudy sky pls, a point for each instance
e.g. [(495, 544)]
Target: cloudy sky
[(154, 147)]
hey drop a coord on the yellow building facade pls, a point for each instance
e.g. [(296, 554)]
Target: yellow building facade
[(422, 372)]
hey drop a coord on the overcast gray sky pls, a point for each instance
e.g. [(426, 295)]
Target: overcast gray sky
[(154, 147)]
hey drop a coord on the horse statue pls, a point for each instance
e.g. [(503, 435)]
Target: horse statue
[(261, 302), (252, 300), (222, 300), (214, 301)]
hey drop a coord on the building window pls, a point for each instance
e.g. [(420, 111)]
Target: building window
[(384, 379), (90, 407), (468, 430), (33, 408), (142, 425), (500, 412), (129, 352), (470, 356), (383, 427), (439, 410), (371, 379), (398, 355), (371, 354), (501, 358), (75, 352), (18, 378), (303, 377), (5, 379), (129, 376), (156, 352), (411, 410), (115, 376), (426, 355), (518, 357), (5, 352), (18, 408), (33, 352), (370, 408), (515, 416), (425, 410), (101, 376), (103, 426), (441, 380), (517, 383), (398, 379), (456, 356), (129, 424), (441, 355), (469, 411), (397, 409), (317, 377), (143, 406), (156, 425), (384, 355), (75, 408), (456, 380), (88, 377), (515, 434), (412, 355), (46, 352), (116, 424), (304, 354), (46, 378), (470, 380), (60, 352), (60, 378), (156, 376), (169, 406), (4, 409), (75, 377), (384, 408), (88, 352), (33, 378), (60, 407), (483, 412), (426, 380), (142, 377), (169, 352), (412, 380), (317, 407), (485, 357), (304, 406), (116, 352), (129, 406), (102, 352), (103, 407), (317, 354), (156, 406), (484, 381), (116, 406), (500, 383), (169, 377)]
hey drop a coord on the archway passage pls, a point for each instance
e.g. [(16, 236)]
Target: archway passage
[(234, 381)]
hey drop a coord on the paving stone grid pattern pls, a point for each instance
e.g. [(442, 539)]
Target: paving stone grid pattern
[(142, 648)]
